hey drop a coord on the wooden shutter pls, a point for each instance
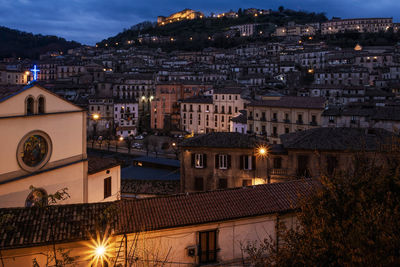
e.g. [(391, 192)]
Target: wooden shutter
[(229, 161), (241, 162), (217, 161), (253, 162), (107, 187), (204, 160), (193, 160)]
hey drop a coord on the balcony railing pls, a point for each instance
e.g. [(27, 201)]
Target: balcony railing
[(274, 119), (263, 119), (313, 123), (275, 135), (299, 122), (250, 118), (278, 172), (286, 121)]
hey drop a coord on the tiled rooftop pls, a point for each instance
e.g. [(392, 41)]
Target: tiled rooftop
[(96, 164), (32, 226), (337, 139), (222, 140), (291, 102)]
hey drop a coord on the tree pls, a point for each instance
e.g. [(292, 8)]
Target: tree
[(351, 220), (281, 8), (55, 256), (128, 141)]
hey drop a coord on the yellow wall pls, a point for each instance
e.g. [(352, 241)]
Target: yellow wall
[(67, 132), (96, 185), (14, 194)]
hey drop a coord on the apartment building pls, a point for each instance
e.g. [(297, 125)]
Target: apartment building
[(356, 24), (126, 114), (165, 110), (227, 104), (344, 76), (197, 114), (12, 77), (221, 160), (274, 116), (101, 116)]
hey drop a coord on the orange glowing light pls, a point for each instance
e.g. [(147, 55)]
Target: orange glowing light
[(99, 250)]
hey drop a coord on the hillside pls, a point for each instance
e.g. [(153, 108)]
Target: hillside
[(200, 29), (14, 43)]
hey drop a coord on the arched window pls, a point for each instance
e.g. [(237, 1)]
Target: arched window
[(38, 197), (30, 108), (41, 102)]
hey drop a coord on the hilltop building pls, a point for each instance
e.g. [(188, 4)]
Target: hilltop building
[(185, 14)]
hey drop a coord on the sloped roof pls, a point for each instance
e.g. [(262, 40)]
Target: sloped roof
[(151, 187), (32, 226), (96, 164), (222, 140), (337, 139), (198, 208), (292, 102)]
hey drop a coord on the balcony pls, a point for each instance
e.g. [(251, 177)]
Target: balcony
[(286, 121), (282, 172), (274, 119), (263, 119), (353, 121), (250, 118), (275, 135), (313, 123), (299, 122)]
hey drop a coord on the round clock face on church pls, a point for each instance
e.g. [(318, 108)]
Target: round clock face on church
[(34, 151)]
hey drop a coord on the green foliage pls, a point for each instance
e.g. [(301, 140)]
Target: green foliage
[(353, 220), (14, 43)]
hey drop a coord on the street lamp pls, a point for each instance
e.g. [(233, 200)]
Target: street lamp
[(95, 118), (263, 152)]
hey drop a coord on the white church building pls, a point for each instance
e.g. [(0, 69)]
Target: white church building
[(43, 144)]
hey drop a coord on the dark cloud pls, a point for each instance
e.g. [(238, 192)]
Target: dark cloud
[(89, 21)]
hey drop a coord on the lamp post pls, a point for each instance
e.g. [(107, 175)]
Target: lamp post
[(95, 118), (263, 152)]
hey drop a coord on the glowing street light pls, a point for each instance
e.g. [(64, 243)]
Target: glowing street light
[(96, 116), (121, 138), (100, 250)]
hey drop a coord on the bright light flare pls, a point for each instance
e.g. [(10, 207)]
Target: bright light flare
[(262, 151), (99, 250), (96, 116)]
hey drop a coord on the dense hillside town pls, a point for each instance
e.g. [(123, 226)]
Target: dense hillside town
[(183, 156)]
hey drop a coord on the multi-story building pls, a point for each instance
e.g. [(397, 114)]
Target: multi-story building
[(138, 87), (70, 70), (197, 114), (274, 116), (165, 110), (362, 116), (345, 76), (185, 14), (126, 114), (227, 104), (246, 29), (356, 24), (101, 116), (221, 160), (11, 77)]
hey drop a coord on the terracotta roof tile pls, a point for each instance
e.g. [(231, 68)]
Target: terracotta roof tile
[(96, 164)]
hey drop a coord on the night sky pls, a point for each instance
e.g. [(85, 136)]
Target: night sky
[(90, 21)]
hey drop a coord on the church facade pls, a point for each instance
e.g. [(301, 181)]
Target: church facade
[(43, 144)]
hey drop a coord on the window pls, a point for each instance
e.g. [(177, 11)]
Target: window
[(222, 183), (247, 162), (222, 161), (107, 187), (246, 182), (30, 106), (286, 130), (41, 105), (277, 163), (208, 246), (198, 184), (199, 160)]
